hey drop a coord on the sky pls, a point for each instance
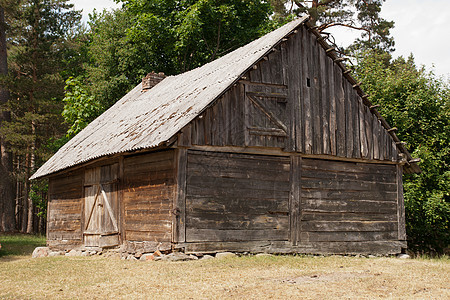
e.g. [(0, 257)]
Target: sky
[(421, 28)]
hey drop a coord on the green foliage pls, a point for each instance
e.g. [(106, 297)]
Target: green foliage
[(20, 244), (40, 55), (80, 108), (189, 33), (38, 194), (114, 64), (169, 36), (38, 47), (418, 104)]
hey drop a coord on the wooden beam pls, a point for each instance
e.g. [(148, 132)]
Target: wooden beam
[(357, 85), (400, 205), (414, 160), (340, 59), (179, 207), (121, 187), (294, 200)]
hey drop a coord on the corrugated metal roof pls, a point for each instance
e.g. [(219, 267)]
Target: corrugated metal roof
[(145, 120)]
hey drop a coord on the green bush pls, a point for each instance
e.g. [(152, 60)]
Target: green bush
[(417, 102)]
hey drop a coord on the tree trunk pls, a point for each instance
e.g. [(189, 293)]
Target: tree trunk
[(25, 192), (7, 201), (31, 206)]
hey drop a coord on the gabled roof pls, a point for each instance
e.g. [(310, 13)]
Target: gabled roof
[(145, 120), (142, 120)]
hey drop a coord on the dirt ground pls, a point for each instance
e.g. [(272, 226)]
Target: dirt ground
[(248, 277)]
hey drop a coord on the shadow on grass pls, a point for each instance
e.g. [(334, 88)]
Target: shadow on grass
[(18, 244)]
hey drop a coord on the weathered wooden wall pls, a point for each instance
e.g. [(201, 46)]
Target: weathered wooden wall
[(242, 202), (296, 99), (65, 211), (347, 206), (147, 192), (236, 197)]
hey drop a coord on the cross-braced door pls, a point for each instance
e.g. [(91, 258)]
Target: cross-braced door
[(266, 115), (101, 207)]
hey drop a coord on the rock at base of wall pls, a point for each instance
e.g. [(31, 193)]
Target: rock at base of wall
[(56, 253), (263, 255), (224, 255), (207, 256), (147, 257), (40, 252), (74, 252), (176, 256)]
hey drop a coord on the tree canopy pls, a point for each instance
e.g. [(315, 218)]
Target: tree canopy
[(164, 36), (363, 16), (418, 103)]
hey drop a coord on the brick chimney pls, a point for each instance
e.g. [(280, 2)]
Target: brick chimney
[(151, 80)]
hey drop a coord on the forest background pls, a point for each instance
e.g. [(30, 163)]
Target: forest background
[(57, 75)]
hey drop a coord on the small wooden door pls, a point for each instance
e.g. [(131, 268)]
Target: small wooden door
[(101, 207), (266, 116)]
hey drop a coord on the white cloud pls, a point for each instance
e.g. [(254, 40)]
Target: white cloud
[(88, 6)]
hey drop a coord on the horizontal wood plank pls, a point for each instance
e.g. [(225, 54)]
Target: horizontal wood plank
[(348, 206), (359, 226), (356, 236), (238, 222), (196, 235)]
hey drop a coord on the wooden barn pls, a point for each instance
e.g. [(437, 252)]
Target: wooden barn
[(271, 148)]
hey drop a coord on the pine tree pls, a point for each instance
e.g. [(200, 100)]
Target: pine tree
[(7, 202), (360, 15), (37, 46)]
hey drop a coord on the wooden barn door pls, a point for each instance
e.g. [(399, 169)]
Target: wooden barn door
[(101, 207), (266, 115)]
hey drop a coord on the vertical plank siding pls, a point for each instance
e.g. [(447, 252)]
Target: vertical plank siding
[(101, 206), (148, 192), (65, 211), (236, 197), (324, 114)]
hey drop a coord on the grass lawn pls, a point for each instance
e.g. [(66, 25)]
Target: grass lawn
[(249, 277), (19, 244)]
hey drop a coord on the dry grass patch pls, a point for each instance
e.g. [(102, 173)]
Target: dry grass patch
[(236, 278)]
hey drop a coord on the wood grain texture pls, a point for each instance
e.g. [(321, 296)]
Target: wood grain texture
[(295, 199), (232, 197), (65, 210), (179, 217), (320, 111), (149, 189), (400, 206), (348, 202), (347, 247)]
